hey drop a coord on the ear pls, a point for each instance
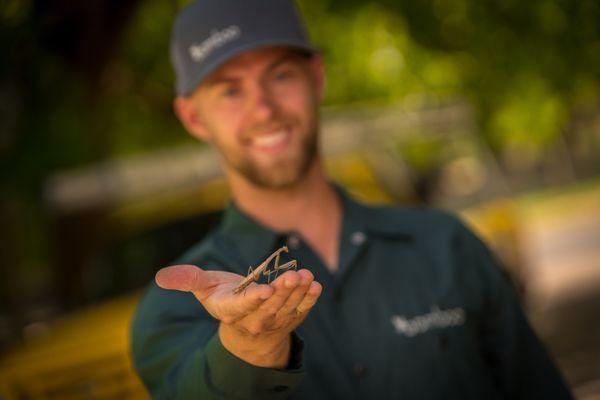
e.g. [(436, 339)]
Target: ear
[(317, 67), (186, 111)]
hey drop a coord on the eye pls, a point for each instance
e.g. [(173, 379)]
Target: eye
[(230, 91), (283, 74)]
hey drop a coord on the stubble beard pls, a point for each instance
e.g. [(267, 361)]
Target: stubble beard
[(285, 173)]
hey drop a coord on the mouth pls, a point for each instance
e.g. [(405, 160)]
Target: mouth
[(271, 141)]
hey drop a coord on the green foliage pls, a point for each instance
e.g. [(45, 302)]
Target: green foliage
[(524, 65)]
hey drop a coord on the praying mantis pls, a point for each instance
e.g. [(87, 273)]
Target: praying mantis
[(263, 269)]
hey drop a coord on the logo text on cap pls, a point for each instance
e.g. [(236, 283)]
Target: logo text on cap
[(200, 51)]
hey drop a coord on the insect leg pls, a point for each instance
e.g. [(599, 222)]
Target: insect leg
[(284, 267), (288, 265), (275, 265)]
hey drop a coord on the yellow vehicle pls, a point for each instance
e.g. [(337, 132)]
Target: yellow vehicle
[(82, 356), (86, 355)]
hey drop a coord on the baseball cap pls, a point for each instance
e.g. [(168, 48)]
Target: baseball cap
[(208, 33)]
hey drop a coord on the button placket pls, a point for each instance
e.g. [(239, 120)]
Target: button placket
[(357, 238), (293, 241), (360, 370)]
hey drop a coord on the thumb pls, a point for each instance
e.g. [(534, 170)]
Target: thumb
[(186, 278)]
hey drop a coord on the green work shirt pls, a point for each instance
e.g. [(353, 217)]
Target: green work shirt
[(418, 309)]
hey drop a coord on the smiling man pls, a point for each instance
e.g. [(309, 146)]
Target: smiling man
[(388, 303), (260, 111)]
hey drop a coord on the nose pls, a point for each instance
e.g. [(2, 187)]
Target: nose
[(263, 106)]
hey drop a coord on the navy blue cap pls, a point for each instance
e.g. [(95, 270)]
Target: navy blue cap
[(208, 33)]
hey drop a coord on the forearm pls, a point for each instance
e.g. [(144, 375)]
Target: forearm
[(214, 373), (183, 357), (248, 355)]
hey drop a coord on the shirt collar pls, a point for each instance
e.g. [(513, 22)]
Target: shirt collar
[(252, 240), (375, 220), (255, 241)]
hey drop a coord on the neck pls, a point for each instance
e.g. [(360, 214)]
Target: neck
[(311, 207)]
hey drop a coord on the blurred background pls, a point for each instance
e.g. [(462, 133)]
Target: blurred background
[(488, 109)]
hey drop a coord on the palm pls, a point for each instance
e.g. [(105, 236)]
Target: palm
[(255, 322), (214, 289)]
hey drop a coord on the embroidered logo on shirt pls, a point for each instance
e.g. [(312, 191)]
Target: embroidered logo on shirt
[(200, 51), (422, 323)]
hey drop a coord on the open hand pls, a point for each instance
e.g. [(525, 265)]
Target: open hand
[(255, 324)]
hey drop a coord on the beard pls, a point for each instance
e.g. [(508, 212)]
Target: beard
[(283, 173)]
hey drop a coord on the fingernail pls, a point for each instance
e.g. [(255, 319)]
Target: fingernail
[(315, 289), (289, 284)]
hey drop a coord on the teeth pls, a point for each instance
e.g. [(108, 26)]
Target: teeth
[(270, 140)]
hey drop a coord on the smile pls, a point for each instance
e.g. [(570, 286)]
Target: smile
[(271, 140)]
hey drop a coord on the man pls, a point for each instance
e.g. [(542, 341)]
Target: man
[(387, 303)]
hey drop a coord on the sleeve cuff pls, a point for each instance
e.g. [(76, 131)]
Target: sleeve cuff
[(295, 362), (235, 377)]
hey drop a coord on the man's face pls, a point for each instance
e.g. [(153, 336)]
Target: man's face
[(260, 110)]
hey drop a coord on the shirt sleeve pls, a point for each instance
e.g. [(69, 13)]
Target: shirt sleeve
[(520, 365), (178, 354)]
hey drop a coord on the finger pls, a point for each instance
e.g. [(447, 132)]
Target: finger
[(257, 291), (296, 297), (189, 278), (240, 306), (284, 285), (310, 299), (252, 298), (185, 278)]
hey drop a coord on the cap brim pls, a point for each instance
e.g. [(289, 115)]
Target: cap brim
[(229, 54)]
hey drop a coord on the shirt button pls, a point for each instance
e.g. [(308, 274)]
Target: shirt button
[(358, 238), (293, 242), (444, 342), (360, 370)]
